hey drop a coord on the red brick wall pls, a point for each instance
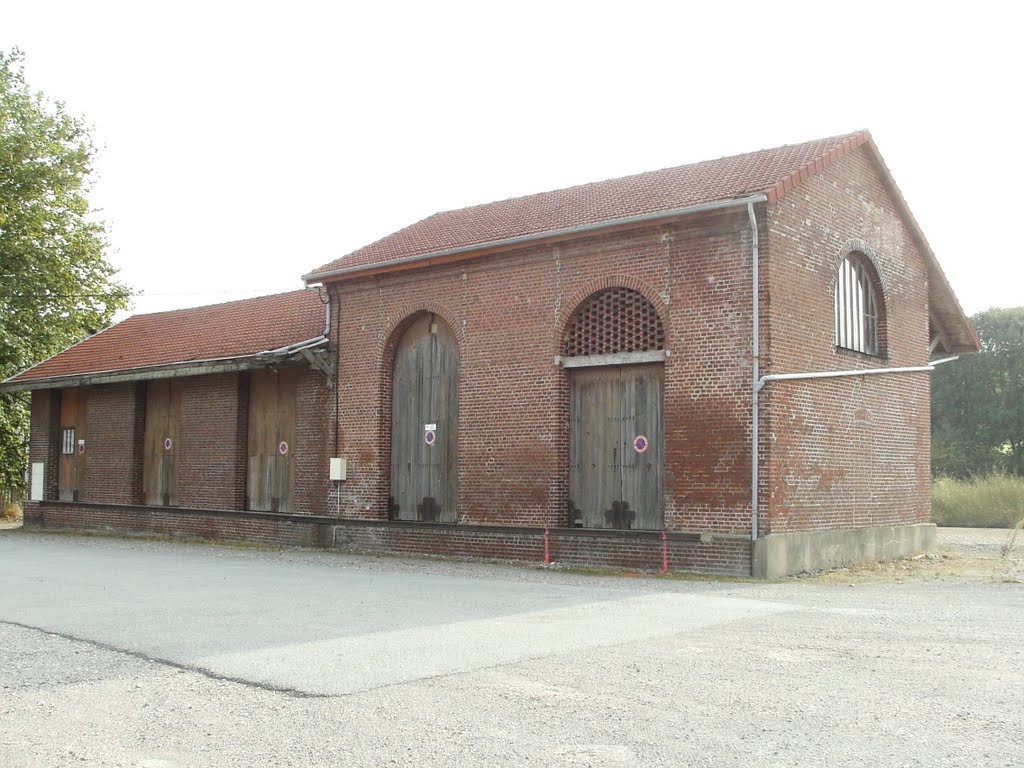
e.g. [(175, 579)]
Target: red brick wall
[(212, 446), (114, 420), (178, 523), (623, 550), (850, 452), (43, 441), (210, 475), (509, 313), (626, 550), (314, 435)]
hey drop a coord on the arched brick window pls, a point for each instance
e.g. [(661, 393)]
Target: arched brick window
[(860, 312), (613, 321)]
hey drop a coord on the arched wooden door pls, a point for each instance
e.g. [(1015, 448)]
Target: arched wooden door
[(614, 355), (424, 423)]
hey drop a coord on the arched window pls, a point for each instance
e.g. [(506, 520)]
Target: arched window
[(858, 306)]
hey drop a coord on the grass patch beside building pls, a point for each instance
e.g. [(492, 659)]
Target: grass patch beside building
[(994, 501)]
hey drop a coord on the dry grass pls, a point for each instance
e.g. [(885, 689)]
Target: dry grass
[(11, 512), (995, 501)]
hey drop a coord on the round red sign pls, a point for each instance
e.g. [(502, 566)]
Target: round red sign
[(641, 443)]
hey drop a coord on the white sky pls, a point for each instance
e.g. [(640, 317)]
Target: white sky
[(245, 144)]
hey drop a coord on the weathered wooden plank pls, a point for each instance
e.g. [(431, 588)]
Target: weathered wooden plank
[(270, 476), (71, 465), (642, 471), (619, 358), (287, 385), (157, 403), (594, 477), (160, 442)]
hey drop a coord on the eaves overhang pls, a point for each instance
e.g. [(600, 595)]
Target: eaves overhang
[(492, 246), (259, 360)]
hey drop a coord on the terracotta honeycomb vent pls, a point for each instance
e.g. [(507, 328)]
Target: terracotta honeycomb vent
[(612, 321)]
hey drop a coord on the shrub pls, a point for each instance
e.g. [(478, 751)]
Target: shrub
[(10, 511), (993, 501)]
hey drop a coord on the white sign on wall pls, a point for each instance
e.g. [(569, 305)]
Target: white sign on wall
[(35, 492)]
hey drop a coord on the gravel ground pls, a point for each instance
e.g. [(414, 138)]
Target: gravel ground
[(910, 664), (961, 554)]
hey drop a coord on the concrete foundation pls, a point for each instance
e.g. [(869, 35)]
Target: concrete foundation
[(782, 554)]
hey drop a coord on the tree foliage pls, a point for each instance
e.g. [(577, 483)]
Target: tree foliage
[(56, 285), (978, 402)]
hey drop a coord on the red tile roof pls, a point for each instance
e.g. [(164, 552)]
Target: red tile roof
[(770, 171), (219, 331)]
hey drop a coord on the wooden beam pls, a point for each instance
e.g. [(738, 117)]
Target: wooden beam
[(620, 358)]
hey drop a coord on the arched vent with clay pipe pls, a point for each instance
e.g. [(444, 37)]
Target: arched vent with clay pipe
[(613, 321)]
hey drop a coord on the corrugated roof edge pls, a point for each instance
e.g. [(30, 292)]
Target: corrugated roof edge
[(17, 383), (162, 371), (11, 379)]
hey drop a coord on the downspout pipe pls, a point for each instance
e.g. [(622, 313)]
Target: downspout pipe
[(755, 364), (327, 313)]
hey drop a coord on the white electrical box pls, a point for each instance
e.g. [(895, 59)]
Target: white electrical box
[(339, 469)]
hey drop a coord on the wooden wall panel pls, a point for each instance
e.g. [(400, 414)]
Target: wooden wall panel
[(270, 481), (642, 415), (594, 471), (71, 439), (162, 433)]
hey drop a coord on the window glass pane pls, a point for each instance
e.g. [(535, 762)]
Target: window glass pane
[(67, 445), (856, 319)]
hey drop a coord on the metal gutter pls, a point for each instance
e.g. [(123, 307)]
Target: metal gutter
[(296, 346), (166, 371), (316, 277)]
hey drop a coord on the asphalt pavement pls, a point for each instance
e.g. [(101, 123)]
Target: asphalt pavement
[(121, 652)]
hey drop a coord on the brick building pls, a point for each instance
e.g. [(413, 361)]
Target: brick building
[(585, 376)]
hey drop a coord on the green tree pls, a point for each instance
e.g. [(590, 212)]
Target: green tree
[(56, 285), (978, 402)]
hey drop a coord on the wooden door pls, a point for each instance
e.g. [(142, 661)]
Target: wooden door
[(160, 464), (71, 466), (270, 480), (616, 446), (424, 423)]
